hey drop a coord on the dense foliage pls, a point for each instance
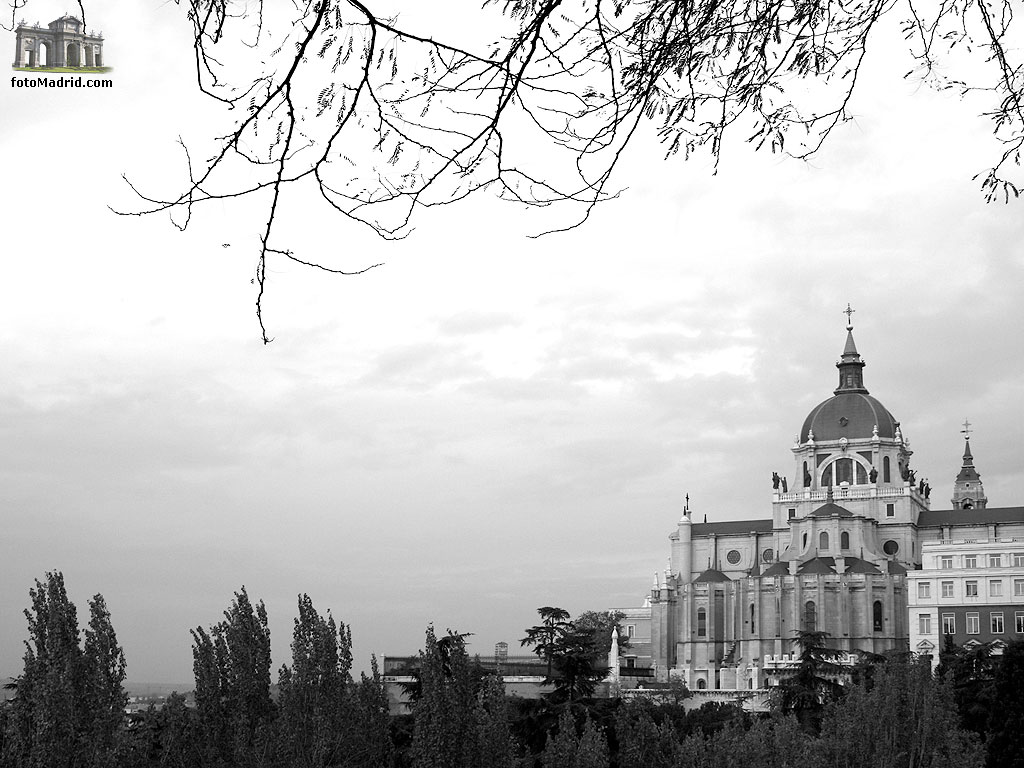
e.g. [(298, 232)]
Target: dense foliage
[(68, 710)]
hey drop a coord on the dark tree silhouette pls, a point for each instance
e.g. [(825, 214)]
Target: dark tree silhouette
[(379, 120), (813, 683)]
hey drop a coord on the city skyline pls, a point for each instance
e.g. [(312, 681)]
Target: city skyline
[(488, 423)]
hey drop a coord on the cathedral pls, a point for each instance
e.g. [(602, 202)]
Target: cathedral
[(834, 556)]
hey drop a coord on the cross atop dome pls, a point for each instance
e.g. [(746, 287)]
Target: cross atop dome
[(966, 431)]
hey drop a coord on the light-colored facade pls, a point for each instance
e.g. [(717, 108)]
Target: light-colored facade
[(847, 532), (971, 589)]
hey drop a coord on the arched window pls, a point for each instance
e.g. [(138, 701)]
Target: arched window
[(823, 541), (807, 476), (805, 542), (702, 623), (810, 616), (862, 475), (878, 616), (844, 471), (826, 476), (885, 470), (844, 540), (701, 684), (753, 626)]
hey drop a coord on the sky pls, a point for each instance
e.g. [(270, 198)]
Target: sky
[(488, 423)]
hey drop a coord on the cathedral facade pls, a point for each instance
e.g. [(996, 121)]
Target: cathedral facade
[(833, 557)]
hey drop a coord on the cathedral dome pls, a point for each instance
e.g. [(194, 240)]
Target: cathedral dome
[(851, 412), (852, 415)]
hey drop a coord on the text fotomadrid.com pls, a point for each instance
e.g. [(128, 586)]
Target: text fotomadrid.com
[(60, 82)]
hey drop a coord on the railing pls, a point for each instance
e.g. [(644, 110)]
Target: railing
[(854, 492)]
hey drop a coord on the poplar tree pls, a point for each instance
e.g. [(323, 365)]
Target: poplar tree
[(314, 689), (231, 663), (69, 705), (444, 728), (103, 684)]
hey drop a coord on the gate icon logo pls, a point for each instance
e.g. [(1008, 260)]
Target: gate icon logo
[(63, 45)]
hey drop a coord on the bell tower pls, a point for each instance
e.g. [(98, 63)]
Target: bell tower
[(968, 492)]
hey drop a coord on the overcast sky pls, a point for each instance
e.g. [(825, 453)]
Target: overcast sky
[(488, 423)]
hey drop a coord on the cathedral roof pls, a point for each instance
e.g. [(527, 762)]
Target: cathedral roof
[(818, 565), (780, 568), (856, 565), (726, 527), (851, 412), (711, 576), (851, 415), (831, 508), (931, 518)]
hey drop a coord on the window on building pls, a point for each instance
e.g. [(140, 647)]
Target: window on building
[(924, 589), (948, 624), (973, 623), (971, 588), (996, 621), (946, 561), (792, 514), (1018, 559), (877, 616), (1018, 622), (1018, 587), (844, 540), (702, 684), (995, 561), (807, 476), (947, 589), (810, 616), (826, 476), (924, 624), (804, 545), (995, 588), (702, 623), (890, 510), (844, 471), (823, 541), (885, 470), (630, 630), (970, 561), (753, 626), (862, 475)]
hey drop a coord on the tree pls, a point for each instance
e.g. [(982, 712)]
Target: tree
[(314, 690), (1006, 738), (572, 659), (371, 745), (69, 706), (495, 745), (907, 719), (103, 684), (806, 691), (543, 637), (333, 99), (600, 624), (567, 750), (445, 714), (577, 670), (231, 662)]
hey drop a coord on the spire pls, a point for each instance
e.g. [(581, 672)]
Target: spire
[(968, 492), (851, 367)]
